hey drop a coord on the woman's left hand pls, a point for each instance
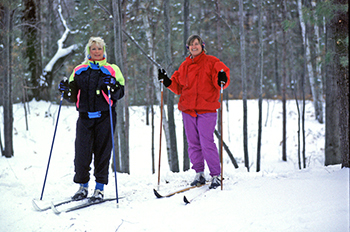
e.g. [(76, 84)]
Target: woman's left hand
[(222, 78)]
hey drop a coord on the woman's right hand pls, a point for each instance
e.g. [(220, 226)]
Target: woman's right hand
[(162, 76), (63, 86)]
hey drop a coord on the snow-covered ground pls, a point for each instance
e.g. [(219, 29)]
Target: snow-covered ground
[(278, 198)]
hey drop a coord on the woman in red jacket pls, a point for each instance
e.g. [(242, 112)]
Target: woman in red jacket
[(198, 82)]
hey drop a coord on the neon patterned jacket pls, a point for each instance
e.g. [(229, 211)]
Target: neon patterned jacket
[(196, 81), (88, 90)]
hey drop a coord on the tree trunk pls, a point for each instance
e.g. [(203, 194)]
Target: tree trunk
[(315, 88), (342, 76), (171, 135), (186, 159), (318, 79), (186, 10), (122, 141), (8, 114), (294, 80), (33, 49), (332, 141), (303, 112), (337, 96), (332, 153), (149, 88), (116, 153), (219, 45), (126, 156), (244, 86), (284, 86), (261, 76), (275, 50)]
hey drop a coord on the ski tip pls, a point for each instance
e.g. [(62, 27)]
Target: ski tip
[(157, 194), (35, 205), (38, 206), (54, 209), (186, 200)]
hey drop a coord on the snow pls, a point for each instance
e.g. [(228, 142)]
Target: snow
[(278, 198)]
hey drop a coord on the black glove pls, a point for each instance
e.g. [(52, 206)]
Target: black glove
[(109, 80), (63, 86), (222, 78), (163, 77)]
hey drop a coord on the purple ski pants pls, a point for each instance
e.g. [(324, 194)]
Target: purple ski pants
[(200, 137)]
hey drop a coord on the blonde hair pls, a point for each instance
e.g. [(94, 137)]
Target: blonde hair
[(94, 40)]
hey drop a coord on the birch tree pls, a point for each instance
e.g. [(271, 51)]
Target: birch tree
[(318, 79), (173, 161), (154, 84), (314, 83)]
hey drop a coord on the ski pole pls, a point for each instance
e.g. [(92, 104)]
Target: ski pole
[(53, 140), (114, 157), (222, 139), (160, 133)]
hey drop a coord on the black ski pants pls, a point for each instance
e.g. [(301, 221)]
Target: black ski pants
[(93, 140)]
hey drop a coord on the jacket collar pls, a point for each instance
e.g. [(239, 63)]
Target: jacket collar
[(97, 64), (197, 58)]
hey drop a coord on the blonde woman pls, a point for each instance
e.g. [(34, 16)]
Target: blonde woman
[(87, 87)]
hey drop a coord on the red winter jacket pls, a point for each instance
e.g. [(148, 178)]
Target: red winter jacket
[(196, 81)]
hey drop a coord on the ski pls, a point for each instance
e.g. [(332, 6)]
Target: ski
[(188, 201), (158, 195), (81, 206), (38, 208)]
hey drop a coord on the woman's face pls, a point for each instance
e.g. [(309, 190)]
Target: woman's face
[(96, 52), (195, 48)]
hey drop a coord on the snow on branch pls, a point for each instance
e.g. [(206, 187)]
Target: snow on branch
[(61, 51)]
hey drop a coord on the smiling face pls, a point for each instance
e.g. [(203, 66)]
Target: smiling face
[(195, 48), (96, 52)]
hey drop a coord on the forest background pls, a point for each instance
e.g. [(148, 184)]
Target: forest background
[(276, 49)]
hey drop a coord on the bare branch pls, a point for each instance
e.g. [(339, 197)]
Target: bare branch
[(104, 8), (141, 49), (131, 38)]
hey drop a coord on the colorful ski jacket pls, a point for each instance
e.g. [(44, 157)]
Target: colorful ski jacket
[(196, 81), (88, 90)]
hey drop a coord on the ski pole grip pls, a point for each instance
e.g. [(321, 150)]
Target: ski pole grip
[(222, 82), (65, 79)]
